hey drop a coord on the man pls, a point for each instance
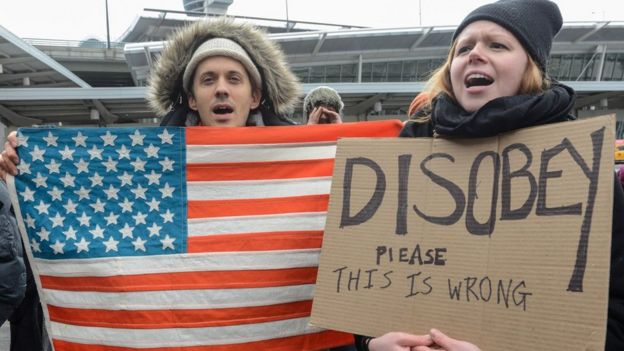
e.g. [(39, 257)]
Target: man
[(323, 105), (235, 77)]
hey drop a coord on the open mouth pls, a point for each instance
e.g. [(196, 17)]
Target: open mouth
[(222, 110), (477, 80)]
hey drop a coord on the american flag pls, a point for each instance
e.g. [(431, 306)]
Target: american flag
[(179, 238)]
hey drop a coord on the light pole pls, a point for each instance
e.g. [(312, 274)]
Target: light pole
[(107, 29)]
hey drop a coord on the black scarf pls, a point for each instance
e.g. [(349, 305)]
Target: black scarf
[(502, 114)]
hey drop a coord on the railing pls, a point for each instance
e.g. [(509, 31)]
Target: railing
[(90, 43)]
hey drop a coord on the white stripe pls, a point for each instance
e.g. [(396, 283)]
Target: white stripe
[(219, 261), (259, 153), (179, 299), (257, 189), (256, 224), (172, 337)]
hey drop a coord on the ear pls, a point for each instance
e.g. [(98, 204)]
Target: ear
[(256, 96), (192, 102)]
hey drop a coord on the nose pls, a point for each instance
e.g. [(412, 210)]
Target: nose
[(477, 53), (222, 88)]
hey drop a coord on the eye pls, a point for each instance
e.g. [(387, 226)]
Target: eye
[(207, 80), (235, 79), (496, 45), (462, 50)]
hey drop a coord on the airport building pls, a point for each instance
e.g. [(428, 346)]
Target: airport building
[(376, 71)]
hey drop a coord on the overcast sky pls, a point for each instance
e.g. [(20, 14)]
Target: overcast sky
[(82, 19)]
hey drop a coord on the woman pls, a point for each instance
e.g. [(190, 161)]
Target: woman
[(494, 81)]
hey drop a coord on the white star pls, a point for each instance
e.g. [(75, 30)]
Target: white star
[(84, 219), (98, 206), (22, 140), (153, 177), (95, 152), (82, 245), (97, 232), (137, 138), (167, 191), (34, 245), (30, 222), (68, 180), (82, 166), (167, 242), (151, 151), (70, 206), (154, 230), (139, 218), (153, 205), (111, 219), (165, 137), (139, 244), (111, 192), (111, 244), (27, 194), (44, 234), (53, 167), (167, 216), (80, 140), (139, 192), (126, 231), (138, 164), (67, 153), (70, 233), (57, 221), (37, 154), (126, 206), (82, 193), (111, 165), (50, 139), (42, 208), (96, 180), (57, 247), (24, 167), (40, 180), (108, 138), (125, 178), (123, 152), (56, 193), (167, 164)]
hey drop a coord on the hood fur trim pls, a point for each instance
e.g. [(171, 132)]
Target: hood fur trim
[(280, 87)]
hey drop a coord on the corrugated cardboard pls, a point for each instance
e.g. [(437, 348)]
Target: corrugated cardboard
[(487, 246)]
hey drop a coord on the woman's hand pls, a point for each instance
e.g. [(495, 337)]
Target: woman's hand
[(397, 341), (8, 157), (444, 342), (322, 115)]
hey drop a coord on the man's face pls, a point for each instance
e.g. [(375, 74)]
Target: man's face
[(222, 93)]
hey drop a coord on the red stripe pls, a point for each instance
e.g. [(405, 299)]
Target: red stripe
[(185, 280), (179, 318), (259, 170), (291, 134), (256, 242), (308, 342), (254, 207)]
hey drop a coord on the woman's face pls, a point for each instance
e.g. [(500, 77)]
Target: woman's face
[(488, 62)]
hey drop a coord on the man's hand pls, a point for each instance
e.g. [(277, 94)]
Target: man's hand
[(322, 115), (8, 157)]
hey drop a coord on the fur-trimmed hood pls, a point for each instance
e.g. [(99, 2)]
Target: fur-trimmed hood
[(280, 87)]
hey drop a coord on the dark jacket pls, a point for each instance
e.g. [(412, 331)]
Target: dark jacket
[(615, 323), (12, 268)]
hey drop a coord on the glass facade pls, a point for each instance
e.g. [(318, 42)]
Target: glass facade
[(570, 67)]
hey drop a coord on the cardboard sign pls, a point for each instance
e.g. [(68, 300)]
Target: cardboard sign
[(503, 241)]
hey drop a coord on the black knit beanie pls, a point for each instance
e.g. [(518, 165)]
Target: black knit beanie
[(533, 22)]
